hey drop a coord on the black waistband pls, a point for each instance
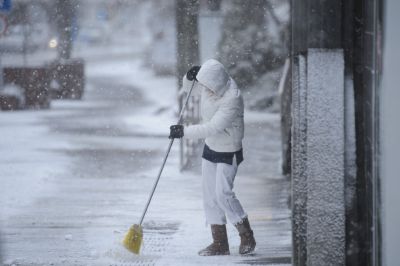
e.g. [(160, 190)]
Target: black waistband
[(222, 157)]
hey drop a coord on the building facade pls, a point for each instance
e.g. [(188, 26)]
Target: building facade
[(337, 55)]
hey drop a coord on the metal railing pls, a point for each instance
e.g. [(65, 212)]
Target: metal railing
[(190, 149)]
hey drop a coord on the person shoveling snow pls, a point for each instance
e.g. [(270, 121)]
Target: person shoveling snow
[(222, 128)]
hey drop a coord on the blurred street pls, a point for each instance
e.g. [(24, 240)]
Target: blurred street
[(79, 175), (89, 90)]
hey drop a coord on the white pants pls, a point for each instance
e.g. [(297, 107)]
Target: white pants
[(218, 198)]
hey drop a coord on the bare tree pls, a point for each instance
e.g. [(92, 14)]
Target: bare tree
[(248, 47)]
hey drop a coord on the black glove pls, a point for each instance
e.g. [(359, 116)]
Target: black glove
[(176, 131), (192, 73)]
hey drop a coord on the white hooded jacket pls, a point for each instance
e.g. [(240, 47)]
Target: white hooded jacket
[(222, 124)]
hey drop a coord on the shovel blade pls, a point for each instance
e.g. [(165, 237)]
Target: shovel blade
[(133, 239)]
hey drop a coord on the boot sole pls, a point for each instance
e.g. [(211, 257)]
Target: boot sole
[(250, 252)]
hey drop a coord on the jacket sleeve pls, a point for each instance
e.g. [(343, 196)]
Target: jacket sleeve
[(221, 120)]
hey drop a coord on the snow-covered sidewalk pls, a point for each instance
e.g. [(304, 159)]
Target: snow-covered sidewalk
[(75, 177)]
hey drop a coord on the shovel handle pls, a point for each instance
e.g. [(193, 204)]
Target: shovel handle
[(165, 157)]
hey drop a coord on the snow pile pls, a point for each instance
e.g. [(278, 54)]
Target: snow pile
[(12, 91)]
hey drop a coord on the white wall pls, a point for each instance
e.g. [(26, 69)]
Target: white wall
[(390, 134)]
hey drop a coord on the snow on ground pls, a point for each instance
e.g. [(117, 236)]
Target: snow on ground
[(160, 91), (78, 175), (25, 144)]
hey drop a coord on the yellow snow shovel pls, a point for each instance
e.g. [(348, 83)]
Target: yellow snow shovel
[(134, 237)]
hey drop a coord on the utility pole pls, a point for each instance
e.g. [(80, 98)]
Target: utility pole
[(65, 13), (187, 36)]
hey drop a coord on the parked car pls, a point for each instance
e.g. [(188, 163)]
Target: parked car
[(92, 35), (27, 38)]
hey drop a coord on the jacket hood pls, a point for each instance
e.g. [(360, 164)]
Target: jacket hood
[(213, 75)]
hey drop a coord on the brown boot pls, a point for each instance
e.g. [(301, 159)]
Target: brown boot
[(220, 245), (247, 241)]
